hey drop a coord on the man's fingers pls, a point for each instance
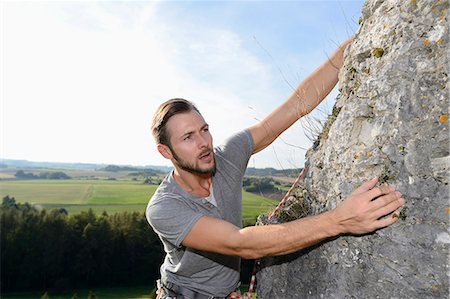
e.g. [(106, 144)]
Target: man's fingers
[(386, 199), (389, 208), (383, 222), (378, 191), (366, 186)]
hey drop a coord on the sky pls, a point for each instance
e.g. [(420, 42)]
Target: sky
[(80, 80)]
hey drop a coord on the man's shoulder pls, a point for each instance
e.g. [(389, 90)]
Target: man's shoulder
[(165, 194), (239, 138), (235, 152), (164, 204)]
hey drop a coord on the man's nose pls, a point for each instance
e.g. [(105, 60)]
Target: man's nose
[(202, 141)]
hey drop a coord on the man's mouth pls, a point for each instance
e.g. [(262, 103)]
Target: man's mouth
[(206, 156)]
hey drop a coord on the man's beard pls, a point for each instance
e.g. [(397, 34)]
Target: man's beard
[(191, 168)]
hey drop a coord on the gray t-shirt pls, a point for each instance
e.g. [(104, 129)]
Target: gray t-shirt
[(172, 212)]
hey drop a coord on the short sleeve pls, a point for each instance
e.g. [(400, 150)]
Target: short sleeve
[(238, 149), (171, 218)]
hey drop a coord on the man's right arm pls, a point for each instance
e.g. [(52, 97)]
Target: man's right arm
[(365, 210)]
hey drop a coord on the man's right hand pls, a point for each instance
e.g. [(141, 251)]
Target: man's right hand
[(367, 209)]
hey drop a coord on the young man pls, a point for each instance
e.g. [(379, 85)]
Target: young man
[(196, 211)]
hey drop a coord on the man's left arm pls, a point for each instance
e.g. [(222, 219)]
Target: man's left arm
[(308, 94)]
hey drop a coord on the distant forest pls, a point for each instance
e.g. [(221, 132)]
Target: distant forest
[(291, 172), (55, 175)]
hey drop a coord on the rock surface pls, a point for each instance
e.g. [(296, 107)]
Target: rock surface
[(391, 121)]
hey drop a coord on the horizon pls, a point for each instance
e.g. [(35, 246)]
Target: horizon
[(81, 80), (109, 164)]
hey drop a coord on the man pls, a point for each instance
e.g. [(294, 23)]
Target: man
[(196, 211)]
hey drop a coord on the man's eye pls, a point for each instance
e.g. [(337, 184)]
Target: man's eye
[(187, 137)]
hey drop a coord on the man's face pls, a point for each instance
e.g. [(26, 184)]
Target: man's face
[(191, 143)]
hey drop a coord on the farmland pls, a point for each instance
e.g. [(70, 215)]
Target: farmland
[(103, 195)]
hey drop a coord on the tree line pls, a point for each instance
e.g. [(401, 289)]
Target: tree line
[(52, 250), (55, 175)]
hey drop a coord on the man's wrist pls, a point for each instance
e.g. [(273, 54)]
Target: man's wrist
[(334, 228), (337, 58)]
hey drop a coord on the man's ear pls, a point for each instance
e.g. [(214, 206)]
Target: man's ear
[(164, 150)]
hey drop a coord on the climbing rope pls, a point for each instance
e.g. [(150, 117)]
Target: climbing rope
[(285, 198), (248, 295)]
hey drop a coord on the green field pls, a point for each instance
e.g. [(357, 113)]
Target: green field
[(104, 195)]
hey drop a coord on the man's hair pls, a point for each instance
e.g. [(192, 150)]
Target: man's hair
[(165, 111)]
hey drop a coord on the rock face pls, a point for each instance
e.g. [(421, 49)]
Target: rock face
[(391, 121)]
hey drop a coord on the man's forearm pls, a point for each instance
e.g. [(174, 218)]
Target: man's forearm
[(311, 91), (368, 208), (279, 239)]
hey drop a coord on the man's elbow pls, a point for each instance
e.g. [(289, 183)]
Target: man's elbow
[(242, 247), (246, 253)]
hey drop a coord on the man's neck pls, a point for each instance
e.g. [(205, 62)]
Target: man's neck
[(195, 184)]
